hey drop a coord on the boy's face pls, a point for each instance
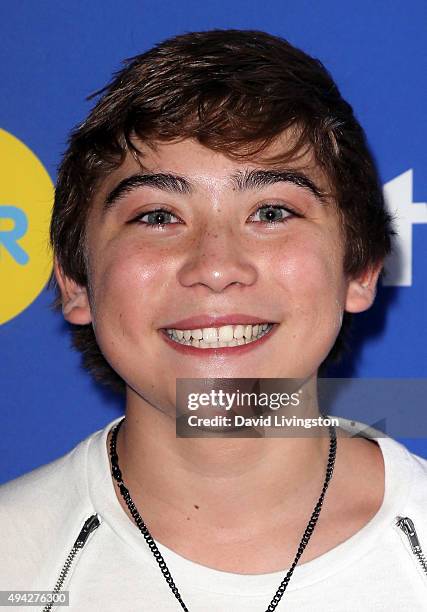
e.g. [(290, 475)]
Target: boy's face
[(215, 255)]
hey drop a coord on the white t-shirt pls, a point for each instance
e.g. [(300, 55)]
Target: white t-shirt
[(41, 514)]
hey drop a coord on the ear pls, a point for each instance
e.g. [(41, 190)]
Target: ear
[(361, 290), (75, 301)]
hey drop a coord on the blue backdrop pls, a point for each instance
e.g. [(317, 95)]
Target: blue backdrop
[(55, 53)]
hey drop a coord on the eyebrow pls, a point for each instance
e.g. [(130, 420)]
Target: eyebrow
[(165, 182), (256, 179), (242, 181)]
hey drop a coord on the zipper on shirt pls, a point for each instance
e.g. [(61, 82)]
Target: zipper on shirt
[(408, 528), (89, 526)]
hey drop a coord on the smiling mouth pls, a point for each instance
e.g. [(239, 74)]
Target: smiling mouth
[(219, 337)]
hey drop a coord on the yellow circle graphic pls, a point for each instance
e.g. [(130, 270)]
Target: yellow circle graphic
[(26, 199)]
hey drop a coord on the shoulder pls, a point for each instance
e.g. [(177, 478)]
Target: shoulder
[(46, 484), (405, 482), (35, 514), (418, 477)]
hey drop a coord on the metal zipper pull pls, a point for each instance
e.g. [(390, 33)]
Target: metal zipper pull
[(89, 526), (408, 528)]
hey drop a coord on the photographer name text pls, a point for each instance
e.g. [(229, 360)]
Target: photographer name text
[(222, 421)]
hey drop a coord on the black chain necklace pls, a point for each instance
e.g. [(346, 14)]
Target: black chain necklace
[(157, 554)]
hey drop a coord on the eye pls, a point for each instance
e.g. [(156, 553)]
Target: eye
[(273, 213), (156, 218), (267, 213)]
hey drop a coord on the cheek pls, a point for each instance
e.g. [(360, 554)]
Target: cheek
[(128, 282), (310, 274)]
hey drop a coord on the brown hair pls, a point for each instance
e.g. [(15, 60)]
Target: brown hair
[(234, 91)]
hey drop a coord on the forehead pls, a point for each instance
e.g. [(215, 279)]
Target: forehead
[(205, 169)]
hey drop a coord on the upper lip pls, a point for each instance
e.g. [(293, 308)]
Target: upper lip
[(200, 321)]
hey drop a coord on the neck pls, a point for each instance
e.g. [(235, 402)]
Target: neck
[(225, 482)]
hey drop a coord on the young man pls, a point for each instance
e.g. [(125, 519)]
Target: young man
[(218, 215)]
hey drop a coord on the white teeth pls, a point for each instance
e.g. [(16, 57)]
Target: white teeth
[(219, 337), (209, 335), (225, 333), (238, 331)]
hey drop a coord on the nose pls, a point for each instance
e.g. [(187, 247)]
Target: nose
[(217, 260)]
